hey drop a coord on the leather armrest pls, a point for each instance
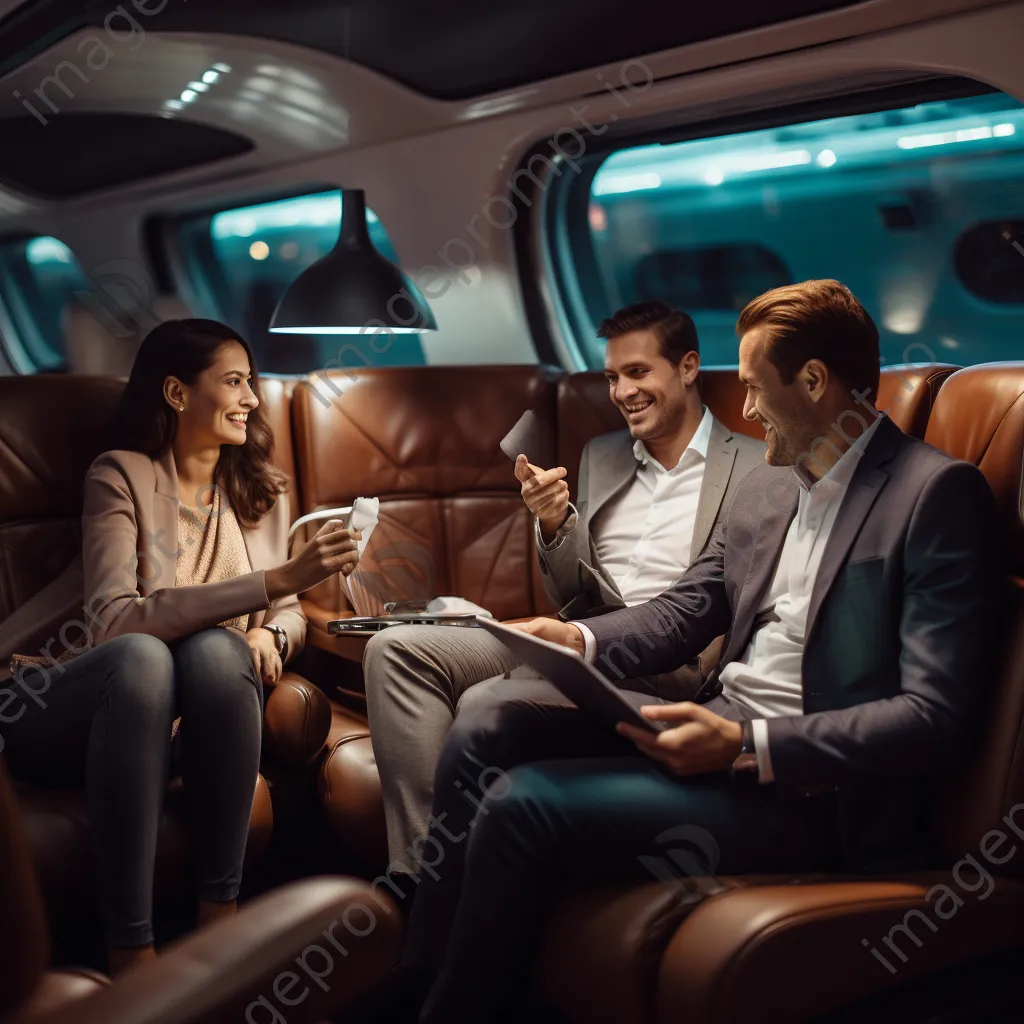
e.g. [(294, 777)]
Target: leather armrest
[(296, 720), (732, 959), (304, 950)]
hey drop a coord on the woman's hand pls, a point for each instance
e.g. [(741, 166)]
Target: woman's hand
[(264, 654), (332, 549)]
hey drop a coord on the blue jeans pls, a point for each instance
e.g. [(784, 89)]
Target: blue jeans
[(103, 720), (532, 795)]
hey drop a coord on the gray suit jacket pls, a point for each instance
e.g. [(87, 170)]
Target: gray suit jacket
[(570, 568), (899, 636)]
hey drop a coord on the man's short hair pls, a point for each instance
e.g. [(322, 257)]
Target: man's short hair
[(817, 320), (675, 330)]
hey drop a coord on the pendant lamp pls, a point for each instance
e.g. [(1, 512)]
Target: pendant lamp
[(353, 289)]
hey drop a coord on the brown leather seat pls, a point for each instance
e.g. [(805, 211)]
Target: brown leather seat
[(425, 441), (342, 936), (401, 435), (53, 427), (731, 959)]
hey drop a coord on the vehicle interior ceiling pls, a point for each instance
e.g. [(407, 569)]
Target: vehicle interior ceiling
[(533, 166)]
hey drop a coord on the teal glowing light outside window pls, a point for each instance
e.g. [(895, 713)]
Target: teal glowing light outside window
[(919, 210), (38, 278)]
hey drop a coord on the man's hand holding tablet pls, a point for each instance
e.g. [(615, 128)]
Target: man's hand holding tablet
[(694, 740), (554, 631)]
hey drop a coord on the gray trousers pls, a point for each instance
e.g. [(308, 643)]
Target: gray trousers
[(417, 678)]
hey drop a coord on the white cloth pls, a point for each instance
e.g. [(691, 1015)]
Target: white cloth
[(642, 536), (767, 679)]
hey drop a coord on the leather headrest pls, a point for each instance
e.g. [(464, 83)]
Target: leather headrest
[(978, 416)]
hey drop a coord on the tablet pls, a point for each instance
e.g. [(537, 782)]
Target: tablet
[(583, 684)]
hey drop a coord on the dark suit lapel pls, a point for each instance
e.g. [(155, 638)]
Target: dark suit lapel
[(717, 471), (864, 487)]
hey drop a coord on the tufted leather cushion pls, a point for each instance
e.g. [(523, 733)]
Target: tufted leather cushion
[(350, 789), (425, 441), (732, 960), (979, 416), (296, 720), (276, 400), (907, 393), (53, 426), (59, 989)]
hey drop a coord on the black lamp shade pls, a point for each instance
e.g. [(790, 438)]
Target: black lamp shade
[(353, 289)]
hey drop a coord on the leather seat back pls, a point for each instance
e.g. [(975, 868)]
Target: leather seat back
[(53, 426), (906, 393), (425, 441), (24, 939), (978, 416), (276, 400)]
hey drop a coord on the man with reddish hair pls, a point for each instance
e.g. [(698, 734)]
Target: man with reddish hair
[(855, 577)]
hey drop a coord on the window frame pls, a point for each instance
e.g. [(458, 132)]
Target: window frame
[(15, 313), (557, 313)]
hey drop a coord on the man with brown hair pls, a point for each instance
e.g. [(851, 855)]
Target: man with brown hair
[(855, 577)]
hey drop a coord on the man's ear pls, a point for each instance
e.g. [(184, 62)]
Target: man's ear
[(689, 367), (814, 377)]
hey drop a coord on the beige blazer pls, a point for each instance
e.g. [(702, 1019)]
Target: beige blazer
[(124, 580)]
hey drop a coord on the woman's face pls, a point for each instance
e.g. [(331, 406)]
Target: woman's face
[(218, 403)]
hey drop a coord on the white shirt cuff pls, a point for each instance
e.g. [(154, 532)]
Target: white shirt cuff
[(764, 754), (589, 643), (567, 527)]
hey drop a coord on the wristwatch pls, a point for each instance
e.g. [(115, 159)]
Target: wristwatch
[(280, 639), (746, 761)]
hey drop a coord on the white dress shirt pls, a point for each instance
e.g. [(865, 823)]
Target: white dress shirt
[(767, 679), (643, 534)]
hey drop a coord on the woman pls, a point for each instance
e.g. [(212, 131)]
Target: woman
[(190, 606)]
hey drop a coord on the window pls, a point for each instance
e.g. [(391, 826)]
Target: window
[(716, 277), (241, 261), (990, 261), (38, 277), (918, 209)]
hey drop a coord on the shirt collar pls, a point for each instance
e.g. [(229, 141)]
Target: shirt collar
[(699, 442), (840, 475)]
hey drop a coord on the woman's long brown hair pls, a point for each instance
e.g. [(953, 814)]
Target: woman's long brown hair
[(146, 423)]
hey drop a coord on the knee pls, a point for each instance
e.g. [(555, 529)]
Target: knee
[(512, 806), (141, 670), (215, 649), (388, 647), (218, 660), (389, 660), (471, 740)]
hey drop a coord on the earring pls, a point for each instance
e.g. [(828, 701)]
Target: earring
[(181, 408)]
